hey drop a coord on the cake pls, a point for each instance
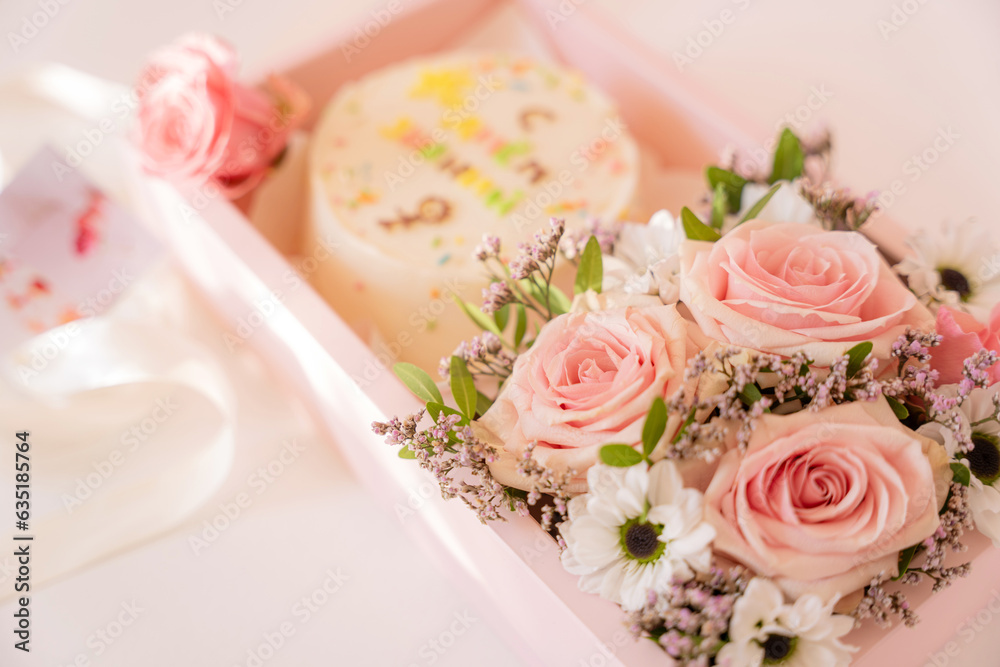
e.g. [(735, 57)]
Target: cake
[(411, 165)]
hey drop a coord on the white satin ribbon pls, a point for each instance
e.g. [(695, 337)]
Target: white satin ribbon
[(156, 399), (131, 425)]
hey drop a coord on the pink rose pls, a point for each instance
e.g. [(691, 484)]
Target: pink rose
[(588, 380), (784, 288), (962, 335), (822, 502), (196, 123)]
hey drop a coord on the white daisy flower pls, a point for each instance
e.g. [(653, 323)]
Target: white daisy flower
[(764, 630), (958, 265), (646, 260), (592, 302), (635, 531), (980, 424), (787, 205)]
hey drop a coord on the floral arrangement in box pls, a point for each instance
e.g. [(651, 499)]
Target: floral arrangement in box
[(746, 428)]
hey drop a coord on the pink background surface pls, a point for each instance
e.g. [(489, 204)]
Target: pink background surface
[(888, 97)]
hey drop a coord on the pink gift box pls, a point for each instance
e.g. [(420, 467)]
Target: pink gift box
[(266, 304)]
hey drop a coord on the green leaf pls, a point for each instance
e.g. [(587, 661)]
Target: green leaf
[(406, 453), (483, 403), (788, 158), (482, 320), (418, 381), (532, 290), (719, 207), (695, 229), (502, 316), (905, 558), (759, 206), (656, 424), (733, 184), (897, 408), (620, 456), (463, 388), (521, 325), (750, 394), (590, 272), (436, 409), (558, 302), (856, 357), (961, 474), (514, 495), (518, 494)]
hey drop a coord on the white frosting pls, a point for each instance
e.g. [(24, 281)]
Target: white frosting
[(412, 165)]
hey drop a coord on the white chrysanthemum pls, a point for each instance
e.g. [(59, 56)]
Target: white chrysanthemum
[(646, 259), (591, 302), (979, 421), (634, 531), (787, 205), (764, 630), (957, 265)]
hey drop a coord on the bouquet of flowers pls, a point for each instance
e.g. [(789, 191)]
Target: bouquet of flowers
[(746, 428)]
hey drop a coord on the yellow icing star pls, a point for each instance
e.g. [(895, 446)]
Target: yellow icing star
[(483, 186), (468, 177), (466, 127), (449, 85), (397, 131)]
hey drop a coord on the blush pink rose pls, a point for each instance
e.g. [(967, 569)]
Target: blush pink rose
[(962, 335), (822, 502), (588, 380), (197, 124), (782, 288)]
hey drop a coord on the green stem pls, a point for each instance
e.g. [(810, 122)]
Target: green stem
[(548, 306), (523, 297), (645, 512)]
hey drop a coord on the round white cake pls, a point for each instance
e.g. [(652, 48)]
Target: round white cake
[(412, 165)]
